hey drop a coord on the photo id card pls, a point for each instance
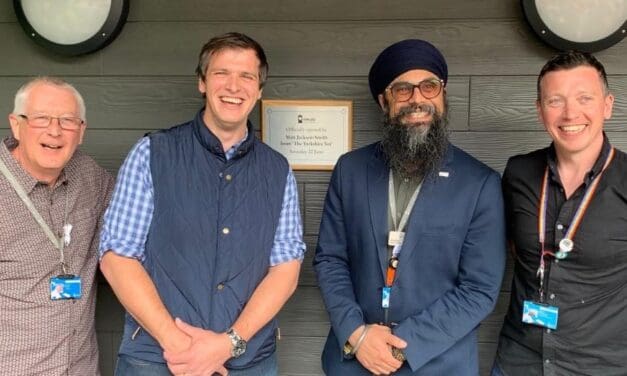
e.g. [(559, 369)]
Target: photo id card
[(65, 287), (540, 314), (385, 297)]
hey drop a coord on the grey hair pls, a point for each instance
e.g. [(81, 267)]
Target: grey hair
[(21, 97)]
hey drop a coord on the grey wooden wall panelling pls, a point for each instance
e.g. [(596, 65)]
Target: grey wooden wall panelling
[(303, 10), (317, 49), (472, 47), (317, 10)]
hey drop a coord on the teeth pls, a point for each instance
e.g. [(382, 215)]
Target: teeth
[(418, 114), (232, 100), (572, 128), (51, 146)]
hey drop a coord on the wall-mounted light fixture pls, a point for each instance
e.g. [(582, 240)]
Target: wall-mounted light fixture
[(584, 25), (72, 27)]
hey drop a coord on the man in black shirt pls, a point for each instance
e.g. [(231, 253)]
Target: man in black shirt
[(567, 221)]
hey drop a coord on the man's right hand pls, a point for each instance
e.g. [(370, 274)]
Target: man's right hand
[(375, 353)]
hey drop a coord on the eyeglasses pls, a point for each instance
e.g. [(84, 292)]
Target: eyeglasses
[(68, 123), (402, 91)]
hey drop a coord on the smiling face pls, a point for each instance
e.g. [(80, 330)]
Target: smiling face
[(417, 111), (415, 128), (231, 86), (44, 152), (573, 106)]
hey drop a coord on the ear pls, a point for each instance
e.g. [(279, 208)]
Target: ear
[(382, 103), (82, 133), (201, 86), (539, 110), (609, 104), (260, 92), (15, 126)]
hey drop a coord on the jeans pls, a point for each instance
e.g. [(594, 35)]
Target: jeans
[(129, 366)]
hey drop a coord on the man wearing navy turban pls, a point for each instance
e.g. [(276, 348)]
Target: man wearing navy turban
[(411, 248)]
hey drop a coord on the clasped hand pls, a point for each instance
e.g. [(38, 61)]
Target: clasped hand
[(205, 356), (375, 352)]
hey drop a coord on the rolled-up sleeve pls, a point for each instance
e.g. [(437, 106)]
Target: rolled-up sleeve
[(288, 239), (128, 217)]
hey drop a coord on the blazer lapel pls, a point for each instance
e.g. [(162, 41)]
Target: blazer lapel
[(377, 188)]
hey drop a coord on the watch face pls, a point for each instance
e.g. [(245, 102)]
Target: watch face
[(239, 349)]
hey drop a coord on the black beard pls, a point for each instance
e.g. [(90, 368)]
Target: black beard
[(415, 149)]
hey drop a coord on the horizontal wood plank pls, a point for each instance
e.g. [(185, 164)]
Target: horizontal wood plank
[(317, 10), (315, 194), (471, 47), (22, 56), (300, 356), (7, 13)]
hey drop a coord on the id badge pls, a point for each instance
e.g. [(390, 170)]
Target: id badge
[(385, 297), (65, 286), (540, 314), (396, 238)]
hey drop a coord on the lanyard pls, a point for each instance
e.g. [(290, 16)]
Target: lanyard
[(398, 228), (392, 203), (566, 244), (58, 243)]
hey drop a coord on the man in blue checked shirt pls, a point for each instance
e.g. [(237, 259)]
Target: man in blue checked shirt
[(202, 242)]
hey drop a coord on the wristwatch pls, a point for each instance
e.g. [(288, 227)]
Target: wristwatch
[(238, 345)]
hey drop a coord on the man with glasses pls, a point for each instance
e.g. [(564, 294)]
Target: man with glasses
[(52, 198), (566, 207), (202, 242), (411, 248)]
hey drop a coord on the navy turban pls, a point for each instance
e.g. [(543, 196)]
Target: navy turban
[(401, 57)]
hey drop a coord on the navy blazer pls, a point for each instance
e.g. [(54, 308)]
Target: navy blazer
[(451, 263)]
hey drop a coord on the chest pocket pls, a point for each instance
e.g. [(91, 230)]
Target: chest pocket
[(84, 224)]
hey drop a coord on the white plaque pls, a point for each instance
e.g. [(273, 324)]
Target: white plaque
[(311, 134)]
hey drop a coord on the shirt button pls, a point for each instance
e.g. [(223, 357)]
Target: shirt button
[(228, 177), (548, 331), (560, 226), (226, 231), (547, 361), (552, 296), (220, 286)]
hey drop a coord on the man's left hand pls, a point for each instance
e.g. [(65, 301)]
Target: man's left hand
[(206, 355)]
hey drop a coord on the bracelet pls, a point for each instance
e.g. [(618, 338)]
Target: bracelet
[(360, 340)]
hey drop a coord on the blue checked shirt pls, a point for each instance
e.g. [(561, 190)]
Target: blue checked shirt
[(129, 214)]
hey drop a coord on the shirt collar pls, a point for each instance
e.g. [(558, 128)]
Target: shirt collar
[(596, 168), (210, 142)]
